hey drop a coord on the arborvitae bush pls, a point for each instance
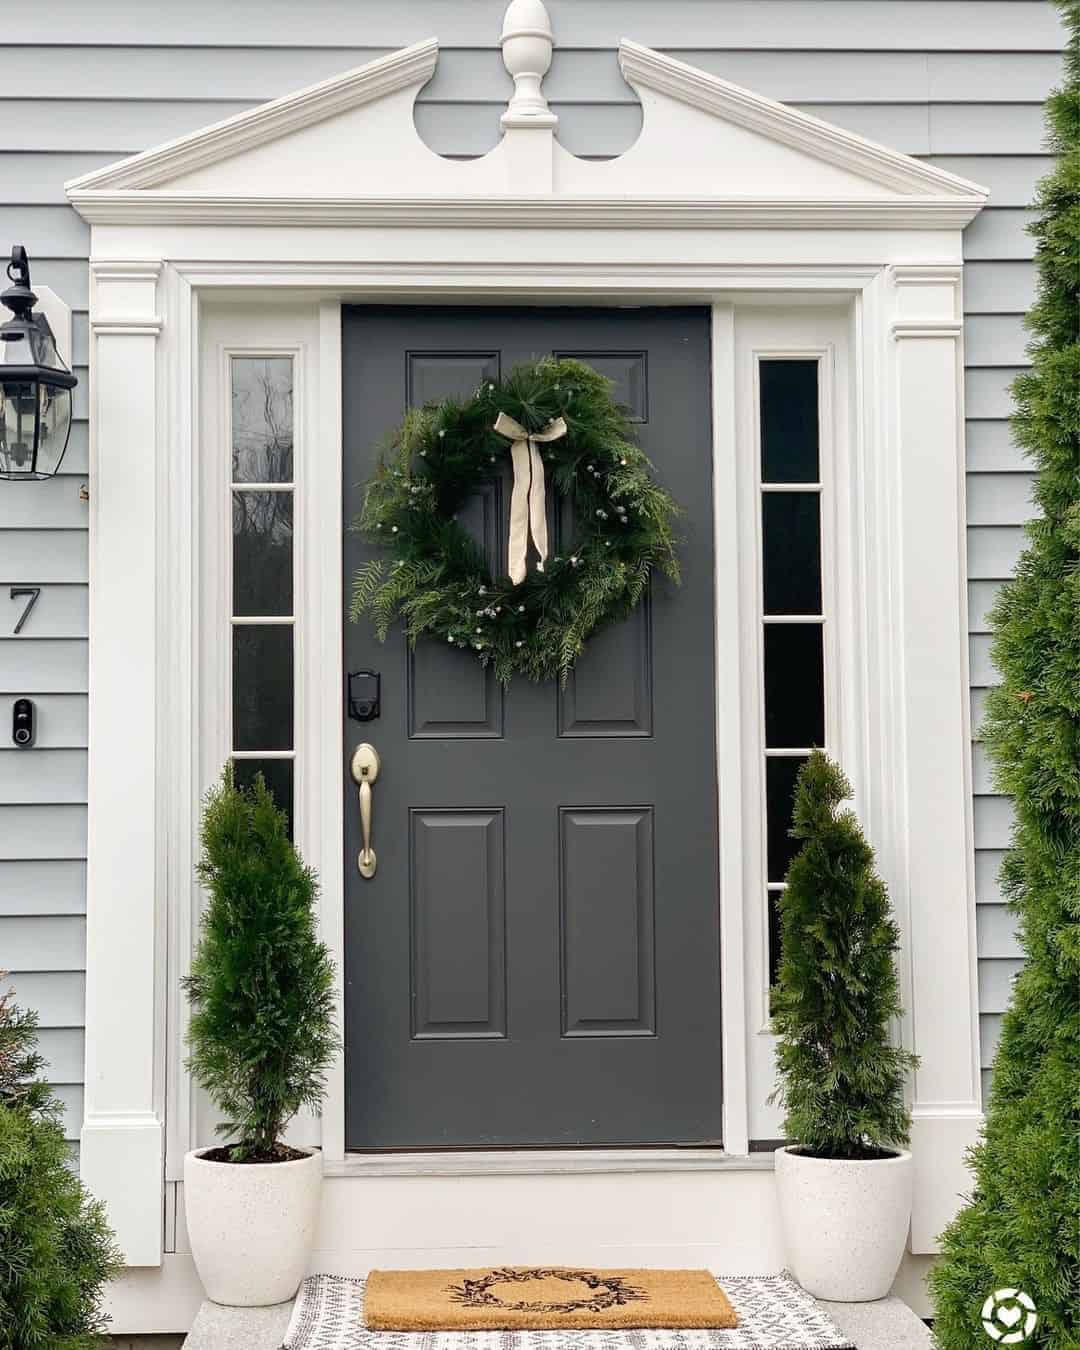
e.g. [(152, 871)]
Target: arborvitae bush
[(839, 1078), (56, 1250), (1021, 1229), (261, 984)]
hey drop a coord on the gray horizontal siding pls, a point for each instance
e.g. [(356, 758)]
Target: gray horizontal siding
[(869, 25), (122, 126), (959, 82), (54, 886)]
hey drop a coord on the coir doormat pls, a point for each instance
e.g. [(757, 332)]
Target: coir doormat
[(773, 1312), (543, 1298)]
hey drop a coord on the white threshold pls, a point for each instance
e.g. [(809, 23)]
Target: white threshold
[(545, 1162)]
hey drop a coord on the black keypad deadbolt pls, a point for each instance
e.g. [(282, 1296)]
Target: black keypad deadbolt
[(22, 723), (364, 695)]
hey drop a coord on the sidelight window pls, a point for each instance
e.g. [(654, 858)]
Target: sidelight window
[(792, 603), (262, 623)]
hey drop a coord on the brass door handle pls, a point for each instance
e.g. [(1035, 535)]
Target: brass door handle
[(365, 769)]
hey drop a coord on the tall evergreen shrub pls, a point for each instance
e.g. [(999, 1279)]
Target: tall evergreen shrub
[(56, 1250), (1021, 1228), (261, 983), (839, 1079)]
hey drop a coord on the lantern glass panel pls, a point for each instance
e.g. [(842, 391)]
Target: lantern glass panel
[(55, 427), (18, 421)]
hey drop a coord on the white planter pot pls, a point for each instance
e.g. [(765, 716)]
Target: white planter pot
[(845, 1223), (251, 1226)]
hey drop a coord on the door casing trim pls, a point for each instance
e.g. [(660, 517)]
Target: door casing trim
[(907, 372)]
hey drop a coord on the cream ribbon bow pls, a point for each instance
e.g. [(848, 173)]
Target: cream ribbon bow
[(527, 500)]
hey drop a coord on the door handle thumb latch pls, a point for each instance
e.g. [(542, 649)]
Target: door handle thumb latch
[(365, 769)]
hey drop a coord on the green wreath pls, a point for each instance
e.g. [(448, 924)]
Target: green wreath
[(439, 583)]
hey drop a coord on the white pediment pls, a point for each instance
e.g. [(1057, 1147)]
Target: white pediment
[(347, 150)]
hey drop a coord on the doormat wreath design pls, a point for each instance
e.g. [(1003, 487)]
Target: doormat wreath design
[(558, 424), (605, 1291), (773, 1312), (543, 1298)]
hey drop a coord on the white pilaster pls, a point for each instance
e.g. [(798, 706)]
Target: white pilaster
[(121, 1143), (943, 1004)]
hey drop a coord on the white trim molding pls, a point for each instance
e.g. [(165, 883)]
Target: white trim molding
[(122, 1136), (727, 200), (936, 788)]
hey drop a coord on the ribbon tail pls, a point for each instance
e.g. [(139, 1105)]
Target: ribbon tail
[(518, 543), (538, 506)]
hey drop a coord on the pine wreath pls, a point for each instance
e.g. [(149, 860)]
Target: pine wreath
[(438, 582)]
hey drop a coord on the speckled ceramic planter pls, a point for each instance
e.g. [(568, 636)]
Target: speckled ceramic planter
[(251, 1226), (845, 1223)]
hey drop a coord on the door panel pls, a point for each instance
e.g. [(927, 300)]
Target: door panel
[(536, 961)]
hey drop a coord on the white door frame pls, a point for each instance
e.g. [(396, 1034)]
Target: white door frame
[(914, 717), (161, 252)]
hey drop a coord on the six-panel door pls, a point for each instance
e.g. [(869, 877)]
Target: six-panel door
[(535, 961)]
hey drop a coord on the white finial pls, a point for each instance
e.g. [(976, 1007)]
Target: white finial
[(527, 44)]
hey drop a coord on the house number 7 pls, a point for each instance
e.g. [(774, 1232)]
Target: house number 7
[(17, 593)]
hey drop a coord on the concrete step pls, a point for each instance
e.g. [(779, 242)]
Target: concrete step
[(885, 1325)]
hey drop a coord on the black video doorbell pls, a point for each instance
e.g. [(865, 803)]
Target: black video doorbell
[(22, 723)]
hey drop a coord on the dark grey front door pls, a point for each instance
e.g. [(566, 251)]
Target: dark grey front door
[(536, 960)]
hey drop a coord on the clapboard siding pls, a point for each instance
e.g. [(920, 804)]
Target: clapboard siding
[(55, 886), (122, 126), (959, 82), (36, 944), (53, 504), (868, 25), (43, 666), (995, 340), (990, 447), (49, 776), (468, 75), (58, 996), (45, 830), (41, 556)]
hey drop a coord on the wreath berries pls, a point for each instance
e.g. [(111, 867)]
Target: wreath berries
[(439, 582)]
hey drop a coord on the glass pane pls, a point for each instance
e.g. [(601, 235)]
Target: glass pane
[(279, 779), (789, 421), (18, 420), (780, 775), (794, 686), (55, 427), (773, 909), (262, 552), (262, 687), (791, 545), (262, 419)]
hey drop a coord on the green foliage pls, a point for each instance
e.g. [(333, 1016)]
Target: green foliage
[(261, 985), (439, 583), (1021, 1227), (56, 1250), (840, 1080)]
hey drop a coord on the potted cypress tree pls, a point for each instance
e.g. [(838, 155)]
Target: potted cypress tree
[(845, 1182), (56, 1250), (261, 1037)]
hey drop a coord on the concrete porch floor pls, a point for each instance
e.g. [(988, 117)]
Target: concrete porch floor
[(885, 1325)]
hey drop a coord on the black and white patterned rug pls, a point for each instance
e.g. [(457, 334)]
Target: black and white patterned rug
[(774, 1314)]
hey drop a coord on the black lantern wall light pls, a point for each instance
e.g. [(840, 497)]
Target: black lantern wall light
[(35, 385)]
